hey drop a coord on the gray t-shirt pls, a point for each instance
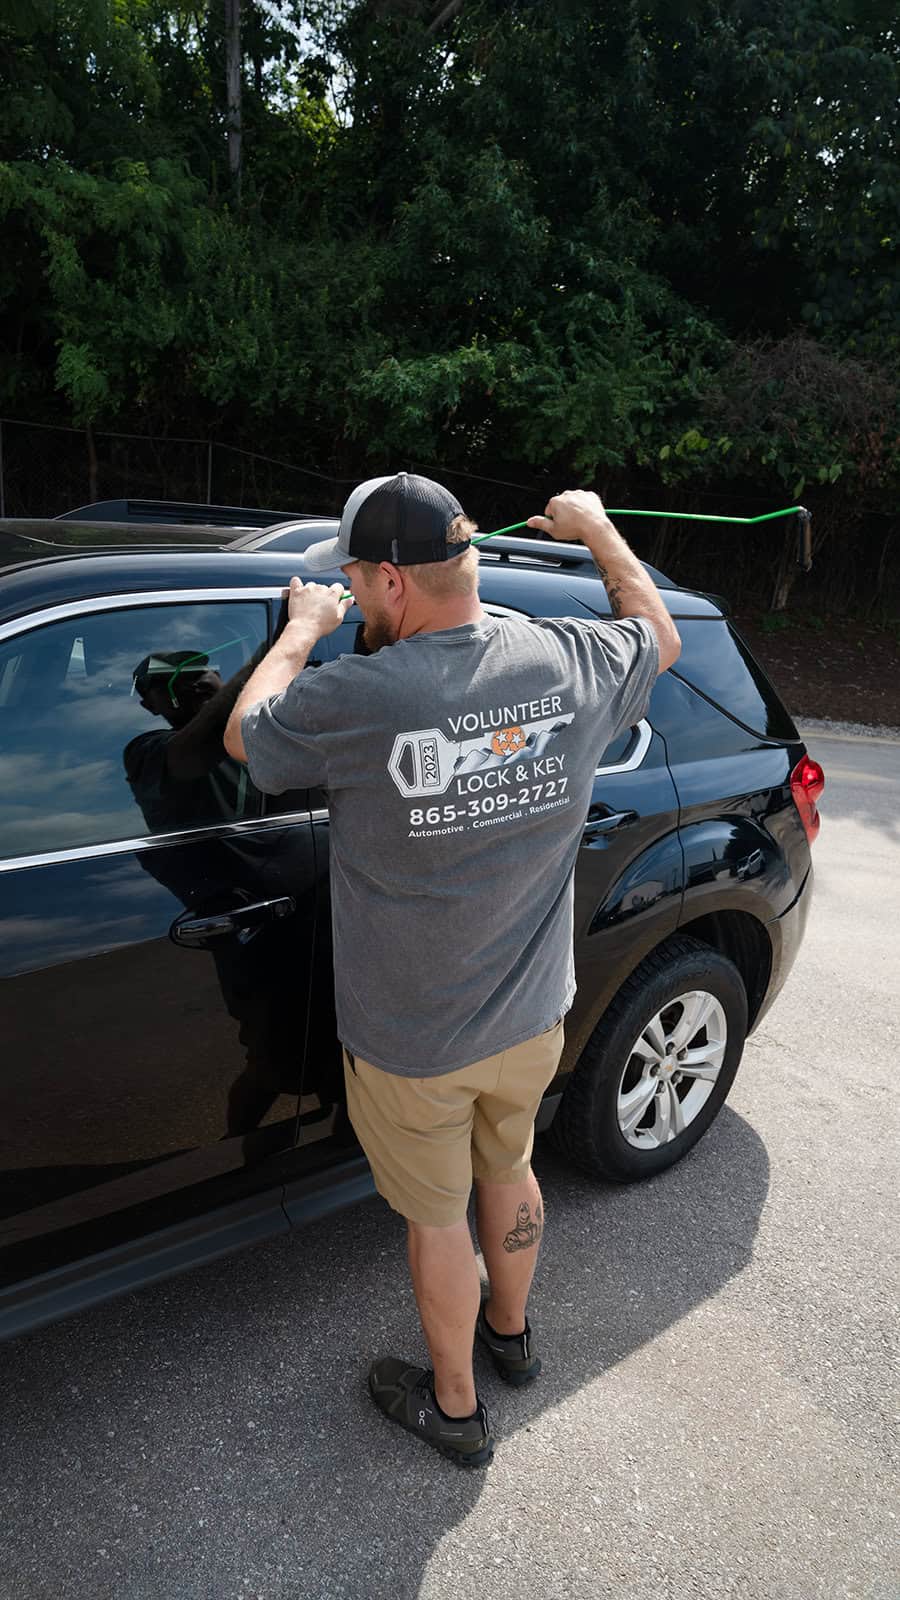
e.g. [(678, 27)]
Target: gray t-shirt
[(459, 768)]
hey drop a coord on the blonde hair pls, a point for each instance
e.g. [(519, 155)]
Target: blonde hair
[(444, 580)]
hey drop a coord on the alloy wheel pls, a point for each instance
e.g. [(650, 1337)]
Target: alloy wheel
[(672, 1069)]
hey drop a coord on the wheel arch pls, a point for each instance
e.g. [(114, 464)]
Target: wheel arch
[(744, 940), (584, 1127), (739, 935)]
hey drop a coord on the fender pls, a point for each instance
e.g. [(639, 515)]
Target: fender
[(733, 864)]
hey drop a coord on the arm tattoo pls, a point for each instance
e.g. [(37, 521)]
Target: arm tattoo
[(613, 590), (526, 1232)]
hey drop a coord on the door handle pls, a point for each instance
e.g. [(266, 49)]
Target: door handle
[(244, 921), (601, 827)]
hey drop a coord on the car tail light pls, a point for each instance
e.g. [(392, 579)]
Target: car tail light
[(807, 783)]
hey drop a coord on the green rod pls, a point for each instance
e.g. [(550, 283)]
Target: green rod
[(677, 516), (628, 511)]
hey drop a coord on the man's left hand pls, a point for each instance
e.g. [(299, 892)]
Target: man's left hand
[(317, 607)]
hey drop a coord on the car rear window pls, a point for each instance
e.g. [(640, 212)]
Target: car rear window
[(717, 661)]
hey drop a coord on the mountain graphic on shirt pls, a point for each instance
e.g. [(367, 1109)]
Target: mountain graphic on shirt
[(425, 762), (507, 746)]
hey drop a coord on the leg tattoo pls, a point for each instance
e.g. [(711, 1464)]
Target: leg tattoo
[(526, 1232)]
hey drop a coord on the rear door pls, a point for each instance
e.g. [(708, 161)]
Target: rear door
[(156, 928), (732, 746), (629, 873)]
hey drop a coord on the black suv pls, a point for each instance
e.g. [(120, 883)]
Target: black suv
[(171, 1083)]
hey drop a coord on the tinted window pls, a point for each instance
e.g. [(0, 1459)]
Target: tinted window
[(619, 750), (111, 725), (715, 660), (339, 643)]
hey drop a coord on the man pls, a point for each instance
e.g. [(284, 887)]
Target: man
[(178, 774), (458, 757)]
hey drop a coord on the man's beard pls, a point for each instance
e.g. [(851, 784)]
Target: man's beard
[(377, 632)]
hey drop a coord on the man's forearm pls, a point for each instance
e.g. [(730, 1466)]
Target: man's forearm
[(285, 660), (627, 585), (630, 591), (580, 514)]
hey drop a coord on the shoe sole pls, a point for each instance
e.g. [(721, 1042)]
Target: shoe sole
[(471, 1458)]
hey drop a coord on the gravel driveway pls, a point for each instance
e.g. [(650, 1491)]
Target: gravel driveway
[(718, 1411)]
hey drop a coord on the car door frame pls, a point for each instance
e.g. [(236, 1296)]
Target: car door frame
[(31, 1301)]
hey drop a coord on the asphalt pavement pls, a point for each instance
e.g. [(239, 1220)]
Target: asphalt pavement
[(718, 1412)]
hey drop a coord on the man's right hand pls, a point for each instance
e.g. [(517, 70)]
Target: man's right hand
[(580, 515), (575, 515)]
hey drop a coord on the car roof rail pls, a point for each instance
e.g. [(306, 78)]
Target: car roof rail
[(177, 511), (255, 540), (499, 548), (565, 557)]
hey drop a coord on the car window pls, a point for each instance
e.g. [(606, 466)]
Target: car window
[(111, 724), (620, 749), (716, 660), (341, 642)]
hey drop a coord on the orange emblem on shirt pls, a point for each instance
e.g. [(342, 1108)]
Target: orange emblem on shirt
[(507, 741)]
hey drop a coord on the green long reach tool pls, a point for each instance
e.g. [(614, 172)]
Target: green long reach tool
[(804, 527)]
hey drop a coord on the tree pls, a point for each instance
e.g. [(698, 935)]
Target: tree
[(233, 88), (649, 245)]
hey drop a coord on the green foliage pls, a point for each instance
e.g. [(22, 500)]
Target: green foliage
[(619, 240), (774, 621)]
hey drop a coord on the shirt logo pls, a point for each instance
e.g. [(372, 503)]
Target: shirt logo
[(425, 762), (507, 741)]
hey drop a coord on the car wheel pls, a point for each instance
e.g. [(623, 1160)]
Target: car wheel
[(658, 1065)]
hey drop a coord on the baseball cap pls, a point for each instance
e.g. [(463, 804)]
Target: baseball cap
[(166, 666), (403, 519)]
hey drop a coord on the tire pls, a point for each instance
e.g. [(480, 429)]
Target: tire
[(611, 1080)]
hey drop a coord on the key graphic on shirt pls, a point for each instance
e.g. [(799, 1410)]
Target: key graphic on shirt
[(425, 762)]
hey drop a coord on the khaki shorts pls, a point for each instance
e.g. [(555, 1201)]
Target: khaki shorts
[(426, 1138)]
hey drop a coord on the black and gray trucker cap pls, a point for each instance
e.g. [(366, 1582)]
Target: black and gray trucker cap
[(403, 519)]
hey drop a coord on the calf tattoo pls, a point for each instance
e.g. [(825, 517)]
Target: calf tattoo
[(526, 1231)]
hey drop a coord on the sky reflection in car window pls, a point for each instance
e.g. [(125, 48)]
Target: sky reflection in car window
[(87, 751)]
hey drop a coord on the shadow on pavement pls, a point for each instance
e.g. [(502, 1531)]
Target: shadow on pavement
[(212, 1437)]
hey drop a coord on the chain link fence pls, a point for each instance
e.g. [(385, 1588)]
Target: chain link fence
[(47, 470)]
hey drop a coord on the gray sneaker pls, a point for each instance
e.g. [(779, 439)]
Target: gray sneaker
[(512, 1355), (406, 1395)]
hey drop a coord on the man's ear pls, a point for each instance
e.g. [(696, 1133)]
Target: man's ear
[(394, 577)]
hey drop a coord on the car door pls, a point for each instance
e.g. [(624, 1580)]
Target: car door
[(630, 862), (732, 747), (156, 928), (629, 875)]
